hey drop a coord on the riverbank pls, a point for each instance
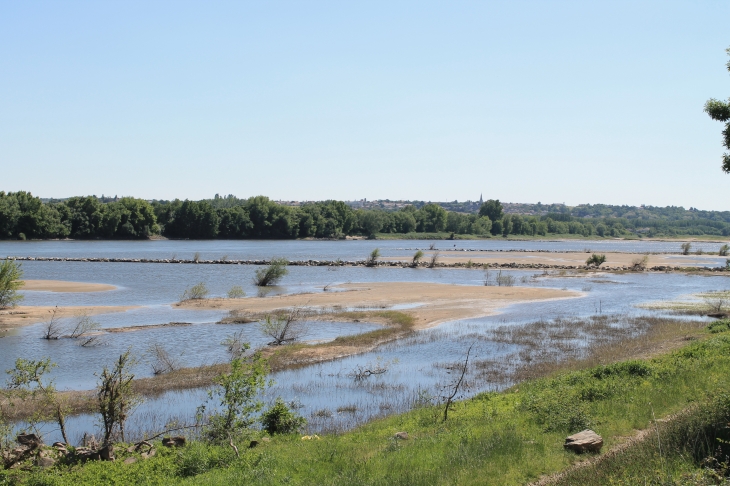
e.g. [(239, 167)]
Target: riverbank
[(510, 438), (23, 315)]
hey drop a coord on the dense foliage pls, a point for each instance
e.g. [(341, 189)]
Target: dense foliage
[(23, 216), (720, 111)]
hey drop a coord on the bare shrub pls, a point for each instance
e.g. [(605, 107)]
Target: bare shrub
[(361, 372), (505, 280), (716, 304), (284, 327), (639, 264), (686, 247), (434, 259), (457, 384), (83, 325), (432, 246), (196, 257), (161, 360), (236, 345), (52, 328), (196, 292)]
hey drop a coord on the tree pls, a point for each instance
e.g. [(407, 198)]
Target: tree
[(492, 209), (10, 275), (28, 383), (720, 111), (115, 397), (237, 393)]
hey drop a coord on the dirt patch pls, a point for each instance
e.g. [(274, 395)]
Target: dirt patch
[(64, 286)]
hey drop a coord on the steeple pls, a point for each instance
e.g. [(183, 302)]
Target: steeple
[(481, 201)]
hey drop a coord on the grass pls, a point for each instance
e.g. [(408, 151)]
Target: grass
[(512, 437)]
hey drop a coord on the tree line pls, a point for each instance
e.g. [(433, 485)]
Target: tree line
[(24, 216)]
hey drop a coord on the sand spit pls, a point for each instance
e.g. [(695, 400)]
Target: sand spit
[(566, 258), (26, 315), (64, 286), (433, 303)]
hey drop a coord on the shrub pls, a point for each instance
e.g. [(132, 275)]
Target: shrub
[(372, 259), (686, 247), (280, 419), (416, 258), (272, 274), (115, 397), (10, 275), (196, 292), (723, 250), (236, 292), (237, 394), (596, 260), (639, 264)]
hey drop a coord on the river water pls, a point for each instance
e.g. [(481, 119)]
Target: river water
[(328, 394)]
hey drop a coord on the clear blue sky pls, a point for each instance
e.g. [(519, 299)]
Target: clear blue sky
[(525, 101)]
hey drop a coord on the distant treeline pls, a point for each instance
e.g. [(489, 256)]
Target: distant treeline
[(23, 216)]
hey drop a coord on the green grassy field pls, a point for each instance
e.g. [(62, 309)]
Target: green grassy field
[(512, 437)]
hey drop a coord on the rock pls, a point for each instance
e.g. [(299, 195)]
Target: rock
[(265, 439), (148, 454), (586, 441), (45, 462), (173, 441), (130, 460), (253, 444), (106, 453), (401, 435), (29, 440)]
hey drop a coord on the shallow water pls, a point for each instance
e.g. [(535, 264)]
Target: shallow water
[(417, 367), (317, 250)]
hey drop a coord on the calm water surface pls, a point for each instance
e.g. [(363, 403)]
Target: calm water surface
[(327, 393)]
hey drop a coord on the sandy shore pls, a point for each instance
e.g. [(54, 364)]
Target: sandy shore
[(546, 258), (64, 286), (433, 303), (25, 315)]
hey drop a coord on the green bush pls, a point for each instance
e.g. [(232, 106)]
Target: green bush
[(10, 275), (596, 260), (272, 274), (196, 292), (280, 419)]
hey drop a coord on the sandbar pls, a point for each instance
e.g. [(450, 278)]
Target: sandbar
[(65, 286), (568, 258), (436, 303), (26, 315)]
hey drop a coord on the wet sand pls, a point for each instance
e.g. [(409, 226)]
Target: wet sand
[(433, 303), (26, 315), (64, 286)]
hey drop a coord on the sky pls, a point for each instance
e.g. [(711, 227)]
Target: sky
[(524, 101)]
